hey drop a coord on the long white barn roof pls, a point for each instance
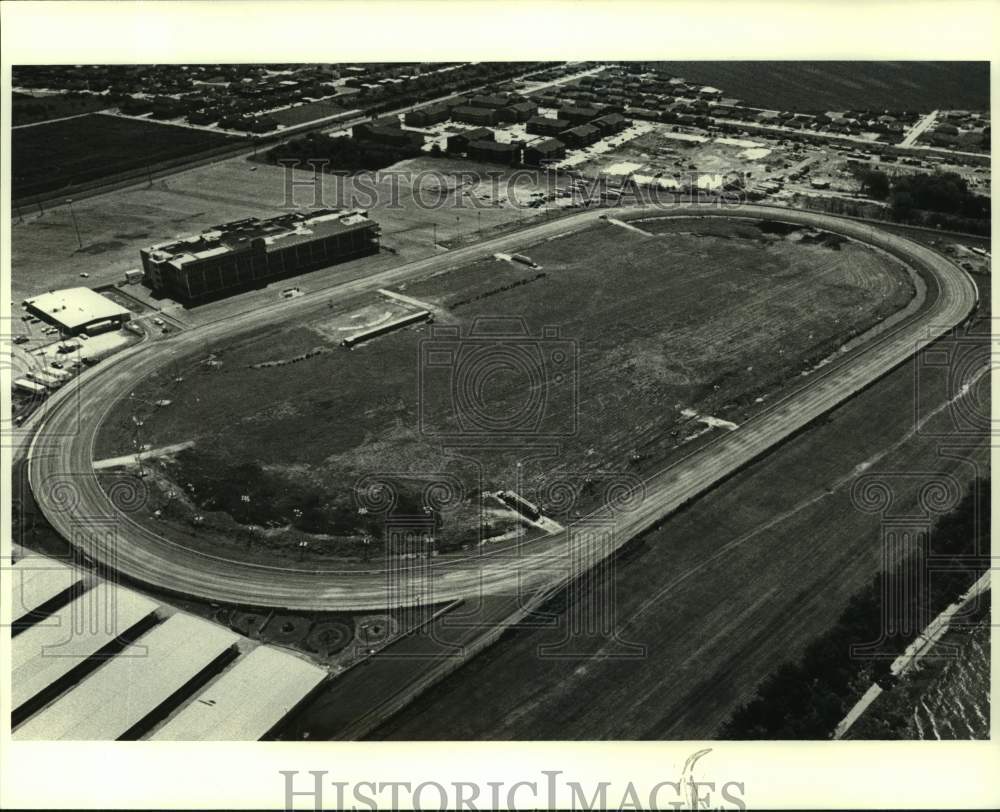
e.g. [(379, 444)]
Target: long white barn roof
[(50, 649), (113, 699), (245, 702), (36, 580)]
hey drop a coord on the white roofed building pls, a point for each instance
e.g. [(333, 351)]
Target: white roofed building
[(74, 310)]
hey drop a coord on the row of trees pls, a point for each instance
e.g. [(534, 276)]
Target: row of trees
[(939, 198), (341, 153)]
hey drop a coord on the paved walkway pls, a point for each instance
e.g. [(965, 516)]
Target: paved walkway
[(919, 648), (133, 459)]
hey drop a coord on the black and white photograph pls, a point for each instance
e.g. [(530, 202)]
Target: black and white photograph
[(621, 400)]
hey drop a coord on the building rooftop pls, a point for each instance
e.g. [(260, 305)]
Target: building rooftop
[(50, 649), (468, 109), (493, 146), (583, 130), (285, 229), (478, 134), (492, 100), (547, 145), (36, 579), (112, 700), (76, 307), (246, 701), (610, 118), (548, 120)]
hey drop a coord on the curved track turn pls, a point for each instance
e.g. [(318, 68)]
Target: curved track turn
[(69, 494)]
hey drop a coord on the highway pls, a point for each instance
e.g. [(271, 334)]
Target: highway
[(66, 489)]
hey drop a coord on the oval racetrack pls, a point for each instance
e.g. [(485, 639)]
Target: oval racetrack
[(62, 479)]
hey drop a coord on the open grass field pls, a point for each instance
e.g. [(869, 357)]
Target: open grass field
[(727, 590), (64, 153), (840, 85), (31, 109), (655, 335)]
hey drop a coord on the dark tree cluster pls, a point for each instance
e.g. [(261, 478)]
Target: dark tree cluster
[(349, 154), (807, 699)]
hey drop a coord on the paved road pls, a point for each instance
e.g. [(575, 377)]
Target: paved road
[(61, 458), (919, 129)]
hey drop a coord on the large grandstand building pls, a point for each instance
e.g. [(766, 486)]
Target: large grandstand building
[(248, 253)]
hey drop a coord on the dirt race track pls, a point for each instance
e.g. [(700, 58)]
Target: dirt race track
[(63, 480)]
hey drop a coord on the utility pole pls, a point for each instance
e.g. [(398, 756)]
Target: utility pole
[(137, 434), (76, 225)]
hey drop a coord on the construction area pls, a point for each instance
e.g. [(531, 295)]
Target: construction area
[(693, 345)]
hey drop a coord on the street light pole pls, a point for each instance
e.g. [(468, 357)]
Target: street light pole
[(76, 226)]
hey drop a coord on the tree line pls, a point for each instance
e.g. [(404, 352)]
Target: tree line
[(808, 698), (937, 199)]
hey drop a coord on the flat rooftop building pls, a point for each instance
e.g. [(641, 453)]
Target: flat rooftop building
[(36, 580), (73, 310), (247, 701), (547, 149), (46, 653), (125, 695), (252, 252)]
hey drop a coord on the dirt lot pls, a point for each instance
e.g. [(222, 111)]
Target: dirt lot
[(660, 150), (114, 226), (729, 589), (716, 323)]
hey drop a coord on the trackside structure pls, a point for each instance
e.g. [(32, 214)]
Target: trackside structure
[(45, 657), (246, 701), (249, 253), (36, 580), (132, 691), (388, 327)]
